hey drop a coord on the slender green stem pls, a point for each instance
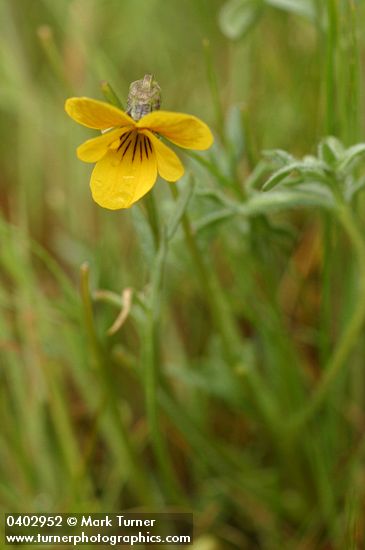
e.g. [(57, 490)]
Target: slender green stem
[(326, 309), (353, 327), (54, 57), (327, 222), (88, 313), (171, 485), (151, 359), (110, 94), (353, 89), (331, 121), (138, 478), (152, 215), (216, 300), (214, 89), (351, 332)]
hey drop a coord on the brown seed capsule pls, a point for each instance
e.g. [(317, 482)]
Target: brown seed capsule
[(144, 97)]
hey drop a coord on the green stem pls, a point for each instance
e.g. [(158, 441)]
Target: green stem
[(89, 314), (331, 46), (152, 215), (352, 329), (353, 117), (216, 300), (151, 359), (214, 89), (138, 479), (326, 309), (110, 94), (54, 57), (351, 332), (170, 483)]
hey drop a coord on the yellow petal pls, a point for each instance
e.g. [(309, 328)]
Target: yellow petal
[(94, 149), (96, 114), (168, 163), (186, 131), (122, 177)]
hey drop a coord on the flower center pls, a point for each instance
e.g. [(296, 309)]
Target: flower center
[(138, 146)]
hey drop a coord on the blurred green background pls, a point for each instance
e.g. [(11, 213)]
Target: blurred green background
[(75, 434)]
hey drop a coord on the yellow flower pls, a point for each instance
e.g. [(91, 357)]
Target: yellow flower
[(129, 154)]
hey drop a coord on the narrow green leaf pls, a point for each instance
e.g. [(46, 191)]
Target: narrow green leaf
[(210, 166), (110, 94), (234, 131), (330, 150), (212, 219), (283, 200), (180, 209), (298, 7), (278, 156), (237, 17), (354, 188), (278, 176), (144, 233), (351, 155), (310, 167)]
